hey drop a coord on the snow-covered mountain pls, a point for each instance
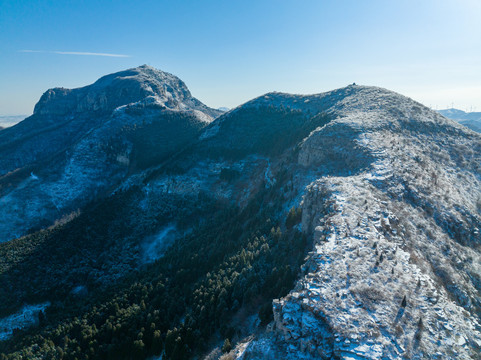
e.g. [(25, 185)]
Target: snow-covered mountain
[(471, 120), (394, 209), (391, 198), (390, 195), (79, 143)]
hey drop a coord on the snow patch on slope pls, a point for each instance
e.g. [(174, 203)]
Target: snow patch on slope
[(154, 246), (26, 317)]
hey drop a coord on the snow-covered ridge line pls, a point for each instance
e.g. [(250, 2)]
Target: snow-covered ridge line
[(396, 256)]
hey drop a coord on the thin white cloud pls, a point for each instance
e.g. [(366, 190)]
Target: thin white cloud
[(88, 53), (75, 53), (31, 51)]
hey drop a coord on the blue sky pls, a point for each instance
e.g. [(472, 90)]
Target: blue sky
[(230, 51)]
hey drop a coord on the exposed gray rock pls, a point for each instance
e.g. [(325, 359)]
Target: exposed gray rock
[(125, 87)]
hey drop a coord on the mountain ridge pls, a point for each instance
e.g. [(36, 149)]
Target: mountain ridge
[(300, 304), (350, 224)]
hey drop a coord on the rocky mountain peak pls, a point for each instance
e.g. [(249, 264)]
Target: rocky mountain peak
[(143, 84)]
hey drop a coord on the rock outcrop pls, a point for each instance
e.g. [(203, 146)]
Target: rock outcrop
[(144, 84)]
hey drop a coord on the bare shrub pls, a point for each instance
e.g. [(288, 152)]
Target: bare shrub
[(398, 330), (369, 296)]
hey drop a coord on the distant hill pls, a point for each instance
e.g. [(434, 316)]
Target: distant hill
[(471, 120), (10, 120)]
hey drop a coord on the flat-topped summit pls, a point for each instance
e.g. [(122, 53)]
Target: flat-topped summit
[(140, 84)]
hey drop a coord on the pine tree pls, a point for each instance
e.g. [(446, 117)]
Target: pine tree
[(227, 346)]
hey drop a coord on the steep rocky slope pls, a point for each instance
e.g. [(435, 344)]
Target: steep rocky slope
[(395, 217), (81, 142)]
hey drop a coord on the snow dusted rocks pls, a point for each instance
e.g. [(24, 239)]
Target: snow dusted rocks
[(142, 84), (395, 216)]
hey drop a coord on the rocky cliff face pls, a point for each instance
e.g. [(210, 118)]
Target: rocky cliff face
[(79, 143), (143, 84)]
